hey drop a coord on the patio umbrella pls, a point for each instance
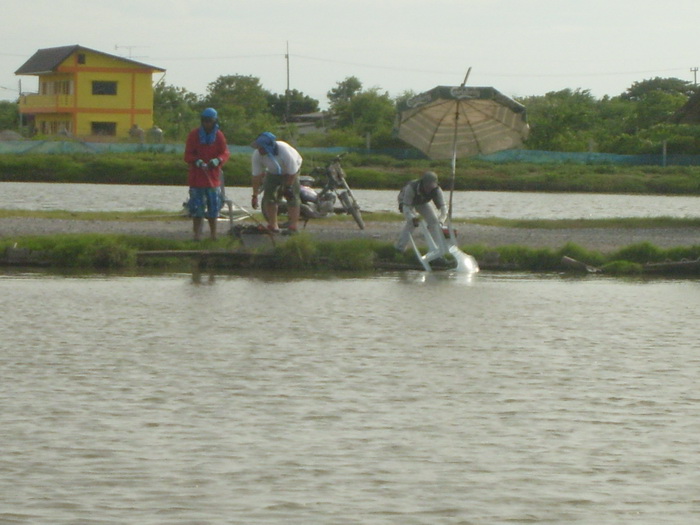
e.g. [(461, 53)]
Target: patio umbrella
[(461, 121), (450, 122)]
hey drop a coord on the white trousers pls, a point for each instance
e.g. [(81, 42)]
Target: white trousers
[(427, 211)]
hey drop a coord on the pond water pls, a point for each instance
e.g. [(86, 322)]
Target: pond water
[(472, 204), (385, 399)]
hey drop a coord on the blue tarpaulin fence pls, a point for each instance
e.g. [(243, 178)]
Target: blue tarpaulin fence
[(520, 155)]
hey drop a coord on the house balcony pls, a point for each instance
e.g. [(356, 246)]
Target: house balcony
[(46, 103)]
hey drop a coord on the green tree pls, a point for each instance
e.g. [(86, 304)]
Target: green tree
[(244, 91), (656, 107), (243, 108), (175, 111), (615, 121), (343, 92), (9, 115), (370, 114), (562, 120), (298, 104), (639, 90), (404, 96), (679, 138)]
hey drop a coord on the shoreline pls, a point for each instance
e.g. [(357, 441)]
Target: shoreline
[(599, 239)]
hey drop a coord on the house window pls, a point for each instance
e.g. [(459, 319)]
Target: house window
[(81, 58), (103, 87), (104, 128), (63, 87)]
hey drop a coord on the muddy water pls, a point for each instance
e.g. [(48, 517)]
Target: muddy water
[(397, 398)]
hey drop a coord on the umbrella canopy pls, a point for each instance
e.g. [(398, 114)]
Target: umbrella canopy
[(451, 122)]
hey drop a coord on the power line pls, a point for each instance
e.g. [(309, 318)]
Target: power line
[(226, 57), (287, 56)]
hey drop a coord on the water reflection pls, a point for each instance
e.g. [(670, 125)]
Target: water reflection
[(439, 278), (203, 278)]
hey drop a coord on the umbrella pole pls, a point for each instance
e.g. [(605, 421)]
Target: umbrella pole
[(452, 187), (465, 263), (454, 173), (454, 163)]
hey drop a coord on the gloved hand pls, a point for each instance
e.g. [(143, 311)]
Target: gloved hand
[(200, 163), (416, 221), (213, 163), (254, 202)]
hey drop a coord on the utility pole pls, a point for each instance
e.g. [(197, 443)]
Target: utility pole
[(694, 71), (286, 93), (19, 106)]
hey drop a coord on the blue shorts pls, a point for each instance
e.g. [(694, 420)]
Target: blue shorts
[(204, 202)]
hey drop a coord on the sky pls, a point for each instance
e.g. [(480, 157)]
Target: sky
[(520, 47)]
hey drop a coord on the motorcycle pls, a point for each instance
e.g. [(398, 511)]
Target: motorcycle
[(317, 204)]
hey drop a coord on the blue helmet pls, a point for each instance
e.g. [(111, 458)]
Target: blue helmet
[(210, 113)]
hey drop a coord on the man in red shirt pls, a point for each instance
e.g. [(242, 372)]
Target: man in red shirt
[(206, 152)]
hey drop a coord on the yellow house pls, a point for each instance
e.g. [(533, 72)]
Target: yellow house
[(87, 93)]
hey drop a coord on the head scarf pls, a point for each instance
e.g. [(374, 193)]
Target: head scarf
[(268, 142), (210, 137)]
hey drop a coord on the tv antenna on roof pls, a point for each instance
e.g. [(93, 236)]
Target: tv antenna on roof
[(128, 48)]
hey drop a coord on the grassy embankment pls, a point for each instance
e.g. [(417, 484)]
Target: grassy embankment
[(97, 252), (363, 172)]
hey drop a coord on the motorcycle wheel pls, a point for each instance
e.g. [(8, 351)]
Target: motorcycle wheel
[(353, 209)]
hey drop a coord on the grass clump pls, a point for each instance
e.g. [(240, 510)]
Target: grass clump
[(298, 252), (541, 259), (80, 251), (622, 268), (301, 251), (359, 254), (583, 255), (644, 252), (100, 252)]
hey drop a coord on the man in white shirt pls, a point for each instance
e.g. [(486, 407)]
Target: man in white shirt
[(276, 164)]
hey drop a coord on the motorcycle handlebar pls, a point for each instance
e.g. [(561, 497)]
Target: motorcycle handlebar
[(317, 170)]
